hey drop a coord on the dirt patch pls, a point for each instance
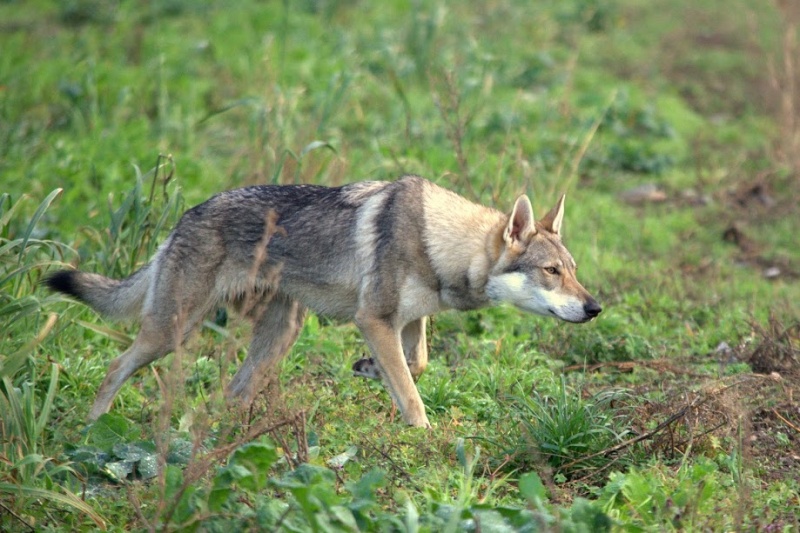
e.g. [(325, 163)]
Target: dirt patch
[(752, 409), (761, 198), (703, 420), (752, 417), (759, 412), (774, 441)]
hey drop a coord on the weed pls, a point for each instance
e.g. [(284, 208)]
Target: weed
[(441, 394), (448, 101), (631, 135), (21, 257), (676, 500), (27, 472), (23, 467), (561, 429), (137, 224)]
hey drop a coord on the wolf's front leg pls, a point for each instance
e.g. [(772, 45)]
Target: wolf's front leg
[(386, 347)]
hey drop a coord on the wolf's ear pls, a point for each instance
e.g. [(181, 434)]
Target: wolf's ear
[(552, 220), (520, 223)]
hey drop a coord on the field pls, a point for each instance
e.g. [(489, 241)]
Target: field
[(674, 129)]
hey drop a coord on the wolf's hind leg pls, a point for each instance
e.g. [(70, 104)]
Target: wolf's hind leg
[(415, 349), (153, 342), (274, 332), (415, 346), (156, 339), (169, 318)]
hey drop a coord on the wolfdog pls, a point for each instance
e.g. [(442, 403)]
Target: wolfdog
[(383, 254)]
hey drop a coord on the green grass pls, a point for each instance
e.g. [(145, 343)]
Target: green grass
[(116, 117)]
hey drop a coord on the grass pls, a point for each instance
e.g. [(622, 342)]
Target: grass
[(566, 432), (116, 117)]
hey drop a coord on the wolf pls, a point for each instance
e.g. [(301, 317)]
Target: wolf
[(384, 254)]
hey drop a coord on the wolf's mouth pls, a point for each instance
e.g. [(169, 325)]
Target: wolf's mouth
[(585, 318)]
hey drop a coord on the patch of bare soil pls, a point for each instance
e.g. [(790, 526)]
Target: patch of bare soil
[(774, 441), (772, 450), (760, 409), (756, 414), (702, 420)]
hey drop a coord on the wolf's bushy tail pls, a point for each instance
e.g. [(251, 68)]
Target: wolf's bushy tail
[(112, 298)]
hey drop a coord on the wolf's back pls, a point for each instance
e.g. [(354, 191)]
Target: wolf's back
[(112, 298)]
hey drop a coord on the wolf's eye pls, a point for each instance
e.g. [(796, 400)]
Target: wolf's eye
[(551, 270)]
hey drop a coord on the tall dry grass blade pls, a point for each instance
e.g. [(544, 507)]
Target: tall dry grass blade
[(784, 81), (67, 498)]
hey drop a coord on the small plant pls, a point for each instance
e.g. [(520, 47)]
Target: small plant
[(594, 15), (670, 501), (583, 515), (23, 254), (567, 431), (441, 393), (463, 508), (242, 496), (25, 473), (136, 225), (113, 451), (631, 133)]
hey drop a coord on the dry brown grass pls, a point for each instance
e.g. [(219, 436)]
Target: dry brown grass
[(784, 78), (778, 350)]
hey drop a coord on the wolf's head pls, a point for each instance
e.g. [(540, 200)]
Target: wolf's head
[(534, 271)]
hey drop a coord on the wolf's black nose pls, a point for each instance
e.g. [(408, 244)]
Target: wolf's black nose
[(592, 308)]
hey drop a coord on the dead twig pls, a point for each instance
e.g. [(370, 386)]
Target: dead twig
[(300, 437), (628, 366), (400, 470), (19, 518), (137, 507), (797, 429)]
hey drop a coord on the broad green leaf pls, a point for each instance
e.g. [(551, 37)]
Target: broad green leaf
[(118, 470), (258, 458), (532, 488), (108, 430)]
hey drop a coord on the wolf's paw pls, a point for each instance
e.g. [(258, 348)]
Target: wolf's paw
[(366, 368)]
